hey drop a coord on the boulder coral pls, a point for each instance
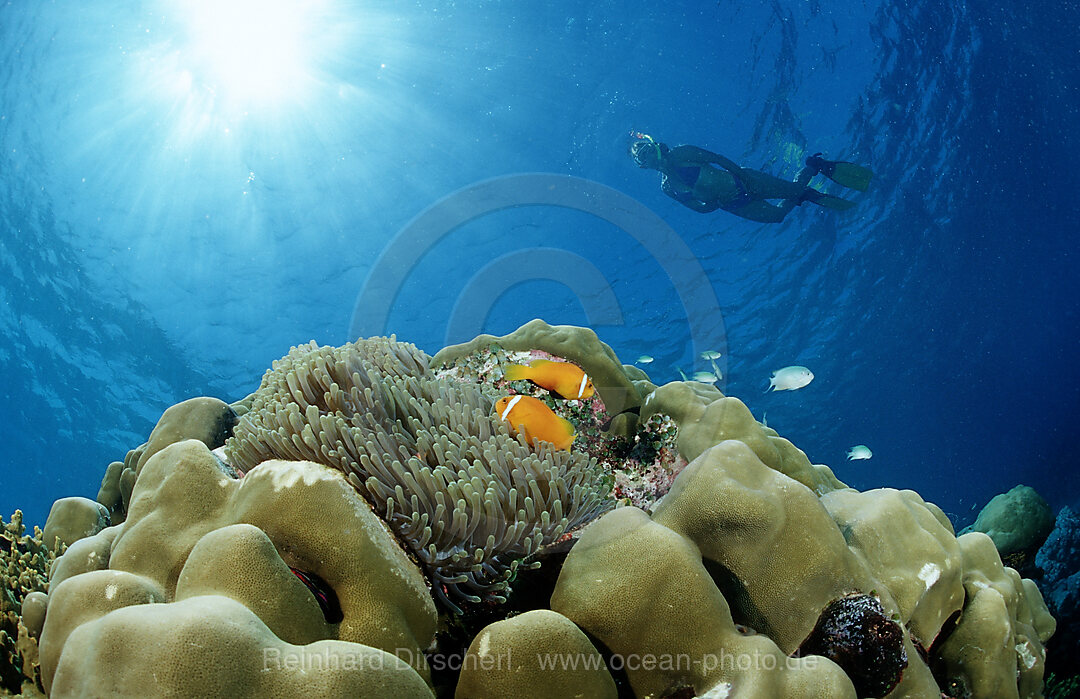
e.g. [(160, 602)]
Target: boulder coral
[(213, 646), (517, 658), (71, 519), (208, 420), (707, 417), (213, 557), (1018, 521), (734, 508), (920, 566), (642, 590), (997, 646), (758, 574)]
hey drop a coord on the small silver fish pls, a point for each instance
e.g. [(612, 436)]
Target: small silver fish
[(711, 355), (859, 452), (644, 359), (705, 376), (790, 378)]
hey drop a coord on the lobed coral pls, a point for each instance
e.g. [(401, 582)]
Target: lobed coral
[(996, 647), (214, 559), (212, 646), (468, 499), (707, 417), (1018, 521), (208, 420), (515, 658), (758, 574), (643, 591), (71, 519)]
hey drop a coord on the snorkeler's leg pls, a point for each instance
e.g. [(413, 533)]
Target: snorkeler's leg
[(766, 186), (784, 207), (762, 211), (792, 193), (801, 194), (826, 200)]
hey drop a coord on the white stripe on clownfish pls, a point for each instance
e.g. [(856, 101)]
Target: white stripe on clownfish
[(510, 406)]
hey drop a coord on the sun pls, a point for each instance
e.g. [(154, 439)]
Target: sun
[(249, 51)]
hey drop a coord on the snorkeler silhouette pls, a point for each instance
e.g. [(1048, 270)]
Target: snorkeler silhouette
[(690, 179)]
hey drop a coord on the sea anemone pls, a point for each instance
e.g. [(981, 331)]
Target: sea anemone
[(471, 501)]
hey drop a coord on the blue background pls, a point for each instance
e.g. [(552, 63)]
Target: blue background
[(163, 239)]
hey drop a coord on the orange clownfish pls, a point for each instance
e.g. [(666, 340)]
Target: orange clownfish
[(564, 378), (539, 423)]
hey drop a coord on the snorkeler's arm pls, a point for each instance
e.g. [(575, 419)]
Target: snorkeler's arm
[(693, 154)]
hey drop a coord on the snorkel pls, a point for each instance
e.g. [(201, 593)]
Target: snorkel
[(646, 138)]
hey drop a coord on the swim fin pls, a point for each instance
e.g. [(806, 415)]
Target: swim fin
[(827, 200), (850, 175), (834, 203)]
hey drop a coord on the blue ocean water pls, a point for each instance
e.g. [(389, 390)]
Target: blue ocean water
[(180, 204)]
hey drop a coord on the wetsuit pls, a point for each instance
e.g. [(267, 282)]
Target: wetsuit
[(688, 175)]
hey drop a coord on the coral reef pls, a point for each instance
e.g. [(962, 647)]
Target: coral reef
[(1059, 556), (212, 646), (734, 567), (516, 658), (908, 545), (733, 507), (996, 646), (71, 519), (706, 417), (24, 565), (208, 420), (1018, 521), (469, 499), (218, 556), (642, 590)]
